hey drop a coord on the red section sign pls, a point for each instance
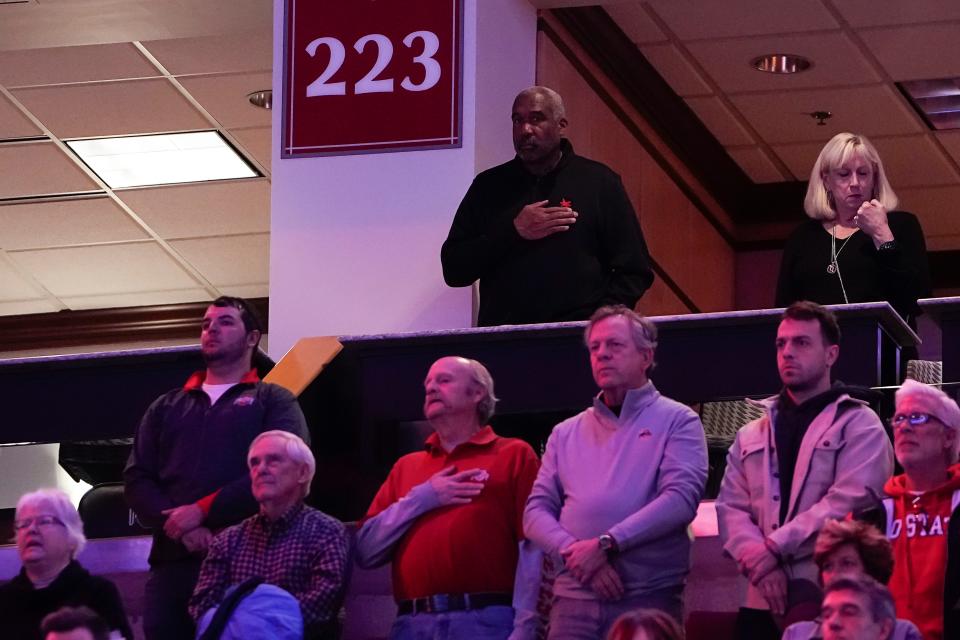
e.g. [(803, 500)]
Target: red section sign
[(365, 76)]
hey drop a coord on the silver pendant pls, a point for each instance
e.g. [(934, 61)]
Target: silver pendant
[(832, 268)]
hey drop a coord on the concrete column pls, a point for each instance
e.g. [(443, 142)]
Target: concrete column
[(355, 240)]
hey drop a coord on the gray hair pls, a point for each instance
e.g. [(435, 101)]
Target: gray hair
[(837, 151), (643, 330), (62, 508), (881, 602), (551, 97), (295, 448), (488, 403), (944, 408)]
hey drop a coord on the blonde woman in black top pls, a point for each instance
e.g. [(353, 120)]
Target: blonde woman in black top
[(856, 247)]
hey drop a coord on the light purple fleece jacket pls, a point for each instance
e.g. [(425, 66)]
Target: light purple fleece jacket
[(639, 477)]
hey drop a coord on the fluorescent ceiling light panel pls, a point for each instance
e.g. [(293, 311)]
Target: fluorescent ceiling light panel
[(137, 161)]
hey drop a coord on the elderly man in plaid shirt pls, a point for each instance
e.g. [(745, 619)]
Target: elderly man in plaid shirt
[(287, 544)]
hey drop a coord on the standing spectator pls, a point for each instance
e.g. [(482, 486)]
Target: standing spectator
[(814, 456), (618, 486), (550, 235), (187, 473), (450, 520)]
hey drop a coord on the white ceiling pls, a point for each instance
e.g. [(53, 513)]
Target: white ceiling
[(82, 68), (78, 68), (859, 48)]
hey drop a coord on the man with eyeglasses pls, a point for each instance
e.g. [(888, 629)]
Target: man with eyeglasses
[(814, 456), (921, 511)]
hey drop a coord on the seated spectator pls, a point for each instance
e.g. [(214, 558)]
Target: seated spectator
[(851, 549), (856, 609), (645, 624), (74, 623), (920, 511), (49, 535), (287, 544)]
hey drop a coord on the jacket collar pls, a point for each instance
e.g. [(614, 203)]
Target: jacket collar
[(196, 380), (634, 402)]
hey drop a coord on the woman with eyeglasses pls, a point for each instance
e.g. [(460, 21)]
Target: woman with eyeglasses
[(49, 535), (856, 247), (921, 511)]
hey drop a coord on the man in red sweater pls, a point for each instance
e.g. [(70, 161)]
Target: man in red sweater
[(921, 510)]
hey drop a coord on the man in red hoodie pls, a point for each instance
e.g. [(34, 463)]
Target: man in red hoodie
[(921, 510)]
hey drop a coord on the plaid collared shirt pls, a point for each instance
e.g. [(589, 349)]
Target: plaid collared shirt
[(303, 552)]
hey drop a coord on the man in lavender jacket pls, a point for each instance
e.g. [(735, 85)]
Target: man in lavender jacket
[(618, 485)]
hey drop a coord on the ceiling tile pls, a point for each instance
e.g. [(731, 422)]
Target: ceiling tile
[(836, 61), (225, 98), (755, 162), (137, 299), (932, 51), (799, 158), (784, 116), (914, 161), (205, 209), (13, 286), (682, 77), (51, 23), (951, 142), (34, 169), (696, 19), (937, 209), (112, 108), (908, 160), (13, 124), (104, 269), (58, 65), (635, 22), (867, 13), (261, 290), (23, 307), (721, 122), (248, 51), (33, 225), (230, 260), (256, 141)]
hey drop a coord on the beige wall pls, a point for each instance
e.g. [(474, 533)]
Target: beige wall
[(681, 240)]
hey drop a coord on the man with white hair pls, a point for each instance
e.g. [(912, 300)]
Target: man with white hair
[(287, 544), (450, 518), (921, 513)]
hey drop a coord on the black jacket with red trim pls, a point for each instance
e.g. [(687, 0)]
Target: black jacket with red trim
[(186, 450)]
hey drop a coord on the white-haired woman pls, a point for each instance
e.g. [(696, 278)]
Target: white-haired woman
[(855, 247), (49, 535)]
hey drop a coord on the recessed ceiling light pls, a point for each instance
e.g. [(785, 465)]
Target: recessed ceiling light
[(168, 158), (262, 99), (781, 63)]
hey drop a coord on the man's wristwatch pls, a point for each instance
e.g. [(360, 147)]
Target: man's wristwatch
[(608, 544)]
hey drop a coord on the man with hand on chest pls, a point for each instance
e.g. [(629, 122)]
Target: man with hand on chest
[(450, 519)]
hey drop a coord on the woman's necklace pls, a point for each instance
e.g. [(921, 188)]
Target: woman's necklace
[(834, 254)]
